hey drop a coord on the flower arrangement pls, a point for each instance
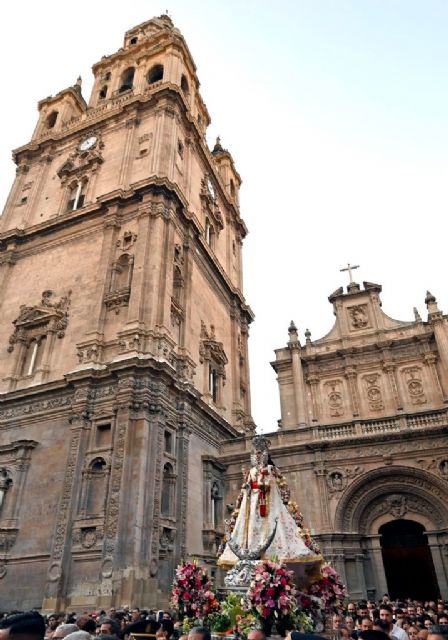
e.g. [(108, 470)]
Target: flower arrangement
[(329, 589), (219, 622), (192, 594), (245, 624), (271, 594)]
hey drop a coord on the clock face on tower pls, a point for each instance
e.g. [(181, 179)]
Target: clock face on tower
[(88, 143)]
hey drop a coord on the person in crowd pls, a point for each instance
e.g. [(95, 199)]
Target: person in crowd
[(428, 623), (384, 626), (63, 630), (202, 633), (79, 635), (351, 609), (52, 623), (336, 621), (135, 614), (412, 632), (365, 624), (86, 623), (423, 634), (372, 634), (438, 632), (109, 627), (386, 616), (442, 619), (29, 625)]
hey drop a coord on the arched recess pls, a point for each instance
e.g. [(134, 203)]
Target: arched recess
[(396, 492)]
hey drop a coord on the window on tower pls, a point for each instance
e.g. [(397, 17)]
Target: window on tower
[(184, 85), (209, 234), (103, 92), (133, 40), (155, 73), (76, 195), (51, 120), (213, 386), (127, 80)]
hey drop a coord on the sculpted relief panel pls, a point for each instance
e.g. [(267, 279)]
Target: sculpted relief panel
[(358, 316), (414, 385), (333, 390), (373, 391)]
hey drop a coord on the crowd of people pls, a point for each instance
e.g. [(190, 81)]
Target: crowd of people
[(410, 620)]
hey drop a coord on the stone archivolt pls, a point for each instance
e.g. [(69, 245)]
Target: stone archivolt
[(375, 493)]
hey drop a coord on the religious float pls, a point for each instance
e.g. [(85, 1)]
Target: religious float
[(275, 572)]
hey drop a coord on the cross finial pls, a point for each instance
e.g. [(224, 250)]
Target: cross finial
[(350, 268)]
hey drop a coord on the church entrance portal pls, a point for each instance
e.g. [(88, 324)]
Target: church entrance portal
[(407, 561)]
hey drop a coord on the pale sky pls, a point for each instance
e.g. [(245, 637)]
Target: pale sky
[(336, 115)]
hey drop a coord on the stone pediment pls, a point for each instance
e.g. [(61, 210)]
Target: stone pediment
[(50, 315), (81, 161)]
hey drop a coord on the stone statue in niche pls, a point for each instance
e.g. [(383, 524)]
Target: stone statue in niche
[(358, 316), (413, 377), (443, 467), (5, 483), (336, 481)]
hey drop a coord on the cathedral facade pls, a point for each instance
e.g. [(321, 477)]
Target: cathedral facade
[(363, 442), (123, 358)]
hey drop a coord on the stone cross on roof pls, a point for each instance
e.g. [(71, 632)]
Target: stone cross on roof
[(350, 268)]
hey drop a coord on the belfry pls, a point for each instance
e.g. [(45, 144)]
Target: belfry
[(123, 358)]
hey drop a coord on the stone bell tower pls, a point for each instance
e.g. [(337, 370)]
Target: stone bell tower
[(123, 334)]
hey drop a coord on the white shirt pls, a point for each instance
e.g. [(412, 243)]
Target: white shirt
[(399, 633)]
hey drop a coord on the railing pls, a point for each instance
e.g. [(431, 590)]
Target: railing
[(386, 425)]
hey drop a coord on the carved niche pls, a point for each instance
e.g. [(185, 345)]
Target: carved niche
[(210, 350), (374, 395), (51, 315), (358, 316), (335, 399), (413, 379), (121, 273), (337, 479)]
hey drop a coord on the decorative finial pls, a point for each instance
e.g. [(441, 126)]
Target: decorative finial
[(430, 299), (308, 336), (218, 147), (79, 81), (417, 316), (292, 327)]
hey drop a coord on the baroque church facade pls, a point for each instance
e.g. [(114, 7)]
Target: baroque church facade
[(125, 394), (124, 329), (363, 442)]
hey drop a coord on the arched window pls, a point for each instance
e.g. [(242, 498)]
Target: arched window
[(103, 92), (77, 195), (51, 120), (33, 355), (127, 80), (184, 85), (177, 284), (168, 485), (232, 188), (209, 234), (213, 386), (107, 76), (96, 486), (133, 40), (155, 73)]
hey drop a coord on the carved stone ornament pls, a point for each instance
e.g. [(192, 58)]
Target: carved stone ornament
[(80, 162), (51, 315), (443, 468), (7, 539), (358, 316), (335, 400), (127, 240), (397, 505), (337, 479), (211, 350), (3, 570), (413, 379), (373, 392)]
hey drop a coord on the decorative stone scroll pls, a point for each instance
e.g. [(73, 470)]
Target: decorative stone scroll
[(335, 399), (373, 392)]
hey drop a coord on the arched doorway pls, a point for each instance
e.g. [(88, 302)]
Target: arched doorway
[(407, 561)]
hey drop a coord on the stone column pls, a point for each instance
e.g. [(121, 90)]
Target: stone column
[(440, 328), (128, 145), (321, 473), (430, 360), (313, 381), (389, 368), (378, 565), (59, 564), (437, 558), (351, 376), (299, 384), (141, 257)]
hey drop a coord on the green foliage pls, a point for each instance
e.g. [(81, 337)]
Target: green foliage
[(232, 607), (189, 623), (219, 622)]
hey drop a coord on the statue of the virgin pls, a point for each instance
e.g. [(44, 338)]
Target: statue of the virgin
[(264, 505)]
